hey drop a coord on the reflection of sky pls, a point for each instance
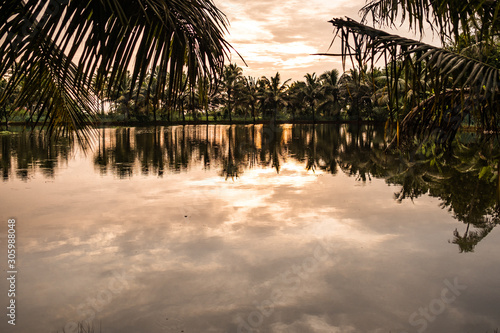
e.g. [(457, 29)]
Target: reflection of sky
[(203, 254)]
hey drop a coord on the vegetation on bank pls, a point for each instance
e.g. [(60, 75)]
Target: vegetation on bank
[(328, 96), (356, 95), (179, 72)]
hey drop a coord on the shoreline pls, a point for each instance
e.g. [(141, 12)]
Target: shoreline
[(164, 123), (204, 122)]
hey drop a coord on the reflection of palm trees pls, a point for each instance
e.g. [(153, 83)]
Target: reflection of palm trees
[(33, 152), (205, 150), (230, 169), (101, 158), (454, 179), (252, 151), (470, 239), (6, 157), (150, 152), (311, 157), (414, 178), (357, 151), (270, 154), (465, 179), (123, 153)]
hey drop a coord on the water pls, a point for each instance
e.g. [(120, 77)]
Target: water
[(249, 229)]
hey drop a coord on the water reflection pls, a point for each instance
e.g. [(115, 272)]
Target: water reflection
[(24, 155), (233, 148), (465, 179), (212, 222)]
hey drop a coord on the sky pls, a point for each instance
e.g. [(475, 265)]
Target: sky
[(282, 36)]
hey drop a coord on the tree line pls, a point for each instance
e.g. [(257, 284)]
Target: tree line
[(354, 95), (59, 62)]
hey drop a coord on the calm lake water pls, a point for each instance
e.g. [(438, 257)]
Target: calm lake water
[(248, 229)]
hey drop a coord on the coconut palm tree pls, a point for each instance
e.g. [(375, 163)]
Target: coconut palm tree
[(59, 45), (329, 92), (251, 94), (231, 85), (274, 94), (7, 108), (356, 89), (295, 99), (312, 92)]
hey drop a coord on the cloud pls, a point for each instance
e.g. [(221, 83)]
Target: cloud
[(283, 36), (274, 36)]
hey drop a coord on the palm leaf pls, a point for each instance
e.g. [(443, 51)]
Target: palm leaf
[(477, 95), (101, 39), (447, 18)]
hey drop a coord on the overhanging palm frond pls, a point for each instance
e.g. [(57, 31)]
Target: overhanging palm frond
[(461, 85), (56, 102), (102, 39), (448, 18)]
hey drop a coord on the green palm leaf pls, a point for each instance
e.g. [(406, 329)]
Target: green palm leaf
[(101, 39)]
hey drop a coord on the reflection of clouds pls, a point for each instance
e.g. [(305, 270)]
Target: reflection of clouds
[(208, 269), (311, 323)]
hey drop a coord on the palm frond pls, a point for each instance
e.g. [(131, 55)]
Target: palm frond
[(447, 18), (461, 85), (101, 39)]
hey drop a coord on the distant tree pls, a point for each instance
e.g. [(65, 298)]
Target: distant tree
[(274, 93), (251, 94), (312, 91), (231, 85), (296, 97), (329, 101)]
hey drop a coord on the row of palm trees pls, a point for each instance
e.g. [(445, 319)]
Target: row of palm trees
[(70, 55), (355, 95)]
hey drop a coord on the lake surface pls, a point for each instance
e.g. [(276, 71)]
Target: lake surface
[(249, 229)]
